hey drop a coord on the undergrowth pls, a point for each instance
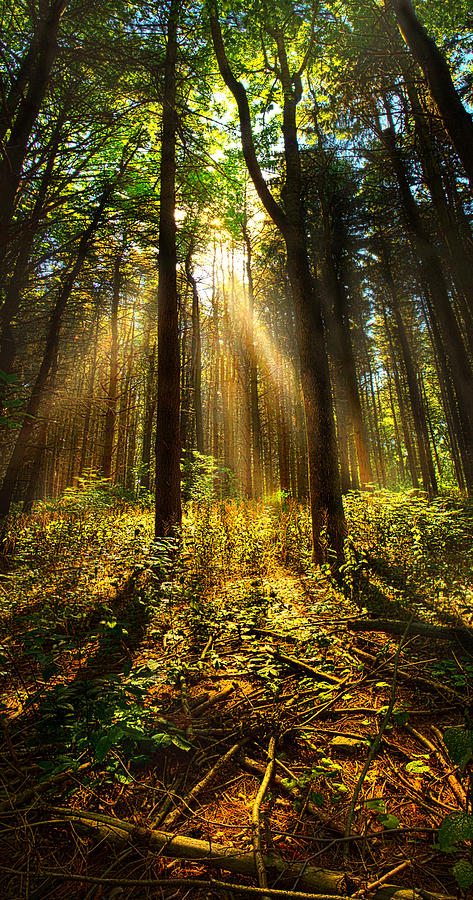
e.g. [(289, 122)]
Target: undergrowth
[(98, 621)]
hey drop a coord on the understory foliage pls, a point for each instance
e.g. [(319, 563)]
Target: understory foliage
[(102, 626)]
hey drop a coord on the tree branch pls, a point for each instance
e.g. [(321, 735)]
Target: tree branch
[(237, 89)]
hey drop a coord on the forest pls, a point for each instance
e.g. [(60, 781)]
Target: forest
[(236, 449)]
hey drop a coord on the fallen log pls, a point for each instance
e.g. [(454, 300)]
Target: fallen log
[(231, 859), (452, 633), (228, 858)]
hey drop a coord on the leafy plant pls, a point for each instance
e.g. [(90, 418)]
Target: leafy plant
[(95, 716), (457, 827)]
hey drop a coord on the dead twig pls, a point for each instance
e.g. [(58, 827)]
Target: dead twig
[(377, 741), (301, 666), (379, 881), (455, 785), (201, 708), (172, 818), (255, 818)]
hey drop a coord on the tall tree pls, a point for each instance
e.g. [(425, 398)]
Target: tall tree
[(168, 443), (324, 477), (457, 120)]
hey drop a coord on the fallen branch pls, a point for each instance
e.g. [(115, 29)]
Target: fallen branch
[(402, 675), (384, 878), (201, 785), (201, 708), (294, 663), (176, 846), (255, 818), (32, 793), (189, 883), (421, 629), (257, 768)]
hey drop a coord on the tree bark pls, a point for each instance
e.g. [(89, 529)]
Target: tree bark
[(14, 150), (168, 512), (150, 407), (431, 275), (28, 424), (112, 393), (255, 418), (18, 280), (324, 478), (429, 479), (457, 121), (196, 356)]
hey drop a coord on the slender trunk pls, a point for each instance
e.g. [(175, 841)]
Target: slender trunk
[(17, 282), (150, 407), (461, 262), (452, 412), (196, 357), (168, 443), (256, 436), (429, 480), (112, 393), (28, 424), (338, 319), (411, 459), (432, 276), (379, 443), (281, 429), (397, 436)]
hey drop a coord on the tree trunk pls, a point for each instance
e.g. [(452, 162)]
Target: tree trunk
[(150, 407), (112, 393), (343, 353), (432, 276), (14, 150), (256, 437), (324, 478), (168, 442), (457, 121), (28, 424), (196, 357), (461, 262), (429, 480), (19, 277), (411, 459)]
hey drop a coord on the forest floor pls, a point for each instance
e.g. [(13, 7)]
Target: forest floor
[(147, 699)]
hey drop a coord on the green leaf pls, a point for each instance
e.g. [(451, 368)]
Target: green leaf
[(455, 827), (161, 740), (401, 716), (389, 821), (418, 767), (463, 872), (459, 743), (180, 742), (8, 379), (377, 804), (103, 746)]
